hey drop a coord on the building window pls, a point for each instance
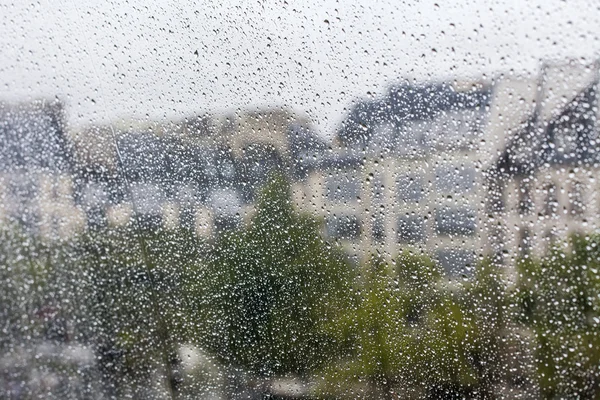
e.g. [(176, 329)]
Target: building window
[(379, 229), (455, 221), (342, 189), (576, 194), (451, 179), (343, 227), (226, 222), (456, 262), (525, 205), (149, 221), (410, 188), (411, 229), (550, 239), (550, 200), (187, 218), (525, 244), (377, 190), (496, 197), (96, 218)]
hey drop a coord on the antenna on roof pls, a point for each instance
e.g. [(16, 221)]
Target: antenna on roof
[(539, 98)]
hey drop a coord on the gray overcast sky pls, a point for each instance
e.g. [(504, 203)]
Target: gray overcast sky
[(108, 60)]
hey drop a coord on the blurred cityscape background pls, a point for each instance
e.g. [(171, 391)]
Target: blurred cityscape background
[(443, 244), (464, 170)]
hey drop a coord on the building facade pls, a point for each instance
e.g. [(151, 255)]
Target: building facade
[(406, 176), (36, 170), (461, 172), (202, 173), (542, 185)]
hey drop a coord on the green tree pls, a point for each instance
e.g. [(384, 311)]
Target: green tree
[(493, 344), (378, 343), (409, 334), (265, 288), (383, 333), (133, 304), (24, 273), (559, 300), (37, 286)]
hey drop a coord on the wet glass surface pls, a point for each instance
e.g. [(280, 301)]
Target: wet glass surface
[(317, 200)]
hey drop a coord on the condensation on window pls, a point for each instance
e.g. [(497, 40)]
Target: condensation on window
[(299, 200)]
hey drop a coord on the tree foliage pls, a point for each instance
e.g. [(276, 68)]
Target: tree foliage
[(409, 334), (559, 300), (265, 288)]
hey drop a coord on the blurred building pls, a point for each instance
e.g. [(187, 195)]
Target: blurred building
[(463, 172), (460, 171), (406, 175), (543, 161), (36, 165), (201, 172)]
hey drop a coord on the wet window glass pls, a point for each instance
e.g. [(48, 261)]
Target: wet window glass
[(299, 200)]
